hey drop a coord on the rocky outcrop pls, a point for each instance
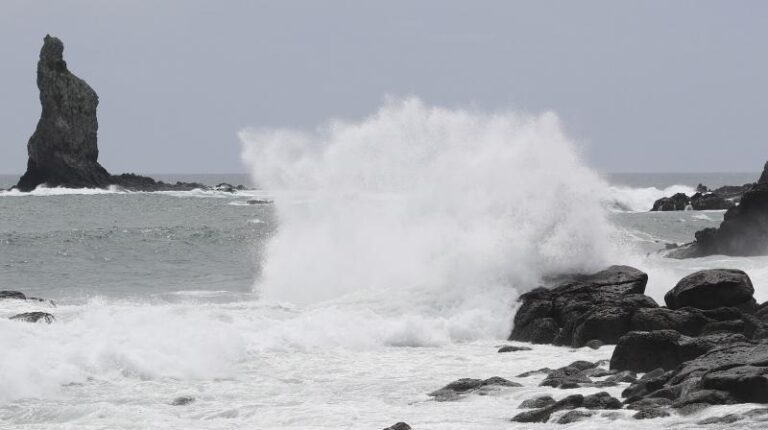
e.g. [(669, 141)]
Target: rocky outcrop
[(583, 308), (710, 201), (678, 202), (700, 201), (743, 232), (63, 150), (721, 359)]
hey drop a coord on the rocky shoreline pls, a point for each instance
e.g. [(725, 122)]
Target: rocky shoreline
[(707, 346)]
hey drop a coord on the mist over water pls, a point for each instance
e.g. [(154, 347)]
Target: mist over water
[(448, 209)]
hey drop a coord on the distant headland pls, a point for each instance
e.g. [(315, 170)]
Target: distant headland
[(63, 151)]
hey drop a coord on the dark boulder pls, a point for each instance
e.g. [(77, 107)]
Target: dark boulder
[(678, 202), (689, 322), (710, 289), (465, 385), (182, 401), (542, 415), (601, 400), (33, 317), (648, 414), (582, 308), (537, 402), (399, 426), (594, 344), (644, 351), (15, 295), (574, 416), (512, 348), (570, 376)]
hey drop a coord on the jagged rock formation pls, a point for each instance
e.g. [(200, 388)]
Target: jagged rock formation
[(722, 198), (584, 308), (743, 232), (63, 150)]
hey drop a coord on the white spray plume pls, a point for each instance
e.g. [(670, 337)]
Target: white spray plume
[(452, 201)]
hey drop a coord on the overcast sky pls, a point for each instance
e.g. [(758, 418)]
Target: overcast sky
[(644, 86)]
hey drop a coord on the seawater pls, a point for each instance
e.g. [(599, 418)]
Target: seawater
[(388, 266)]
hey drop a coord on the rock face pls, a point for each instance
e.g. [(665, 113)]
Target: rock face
[(743, 232), (63, 150), (584, 308)]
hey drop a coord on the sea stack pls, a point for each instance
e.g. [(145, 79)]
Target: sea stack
[(63, 150)]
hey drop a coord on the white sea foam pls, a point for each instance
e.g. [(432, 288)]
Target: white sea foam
[(426, 214), (628, 199)]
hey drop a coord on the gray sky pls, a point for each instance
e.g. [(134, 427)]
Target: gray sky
[(644, 85)]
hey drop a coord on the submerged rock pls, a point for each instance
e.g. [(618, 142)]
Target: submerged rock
[(537, 402), (399, 426), (574, 416), (15, 295), (33, 317), (512, 348), (464, 385), (182, 401)]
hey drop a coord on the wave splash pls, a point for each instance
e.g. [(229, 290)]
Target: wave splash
[(432, 211)]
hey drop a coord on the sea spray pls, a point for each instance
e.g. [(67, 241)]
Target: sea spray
[(427, 211)]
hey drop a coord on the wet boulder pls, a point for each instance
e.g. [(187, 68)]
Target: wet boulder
[(677, 202), (645, 351), (582, 308), (537, 402), (689, 322), (710, 289), (542, 415), (453, 390), (34, 317), (601, 400), (512, 348), (574, 416), (399, 426), (12, 295)]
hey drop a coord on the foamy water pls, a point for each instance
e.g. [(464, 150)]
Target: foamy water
[(387, 266)]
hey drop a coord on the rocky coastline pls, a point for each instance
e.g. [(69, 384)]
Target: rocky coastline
[(63, 150), (707, 346), (743, 232)]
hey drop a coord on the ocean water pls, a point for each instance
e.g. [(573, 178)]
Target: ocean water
[(380, 273)]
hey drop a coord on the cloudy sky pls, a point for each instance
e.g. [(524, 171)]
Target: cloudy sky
[(644, 86)]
